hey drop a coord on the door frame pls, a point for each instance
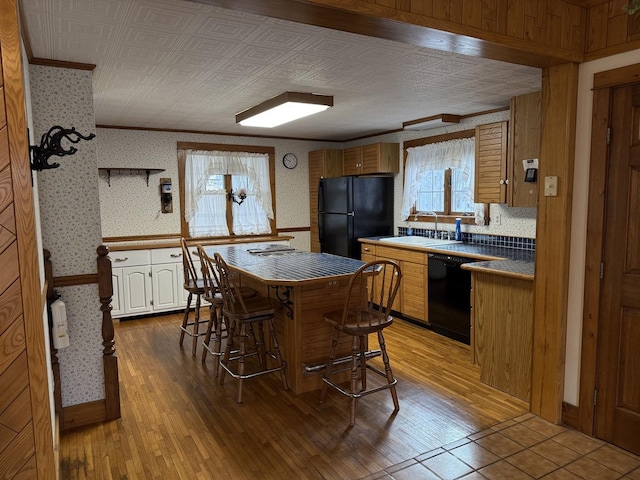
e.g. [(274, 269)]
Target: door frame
[(603, 85)]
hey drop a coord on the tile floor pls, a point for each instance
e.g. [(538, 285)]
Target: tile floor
[(523, 448)]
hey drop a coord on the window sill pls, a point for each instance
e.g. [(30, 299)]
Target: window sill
[(465, 220)]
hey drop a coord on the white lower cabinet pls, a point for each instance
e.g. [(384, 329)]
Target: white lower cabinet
[(116, 301), (136, 283), (151, 280), (166, 281)]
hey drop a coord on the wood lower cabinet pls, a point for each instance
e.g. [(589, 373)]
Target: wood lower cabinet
[(371, 159), (411, 300), (322, 164), (502, 331)]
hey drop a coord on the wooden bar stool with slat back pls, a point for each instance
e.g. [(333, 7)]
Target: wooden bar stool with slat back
[(216, 327), (242, 314), (370, 296), (194, 286)]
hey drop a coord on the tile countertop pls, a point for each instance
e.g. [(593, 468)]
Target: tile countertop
[(511, 262)]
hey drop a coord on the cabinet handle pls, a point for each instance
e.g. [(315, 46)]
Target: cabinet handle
[(121, 259), (175, 255), (501, 182), (366, 249)]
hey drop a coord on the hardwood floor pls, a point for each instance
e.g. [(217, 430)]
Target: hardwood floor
[(178, 422)]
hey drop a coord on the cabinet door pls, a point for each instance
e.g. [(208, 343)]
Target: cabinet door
[(117, 309), (352, 161), (136, 282), (524, 143), (380, 158), (414, 290), (164, 281), (491, 163)]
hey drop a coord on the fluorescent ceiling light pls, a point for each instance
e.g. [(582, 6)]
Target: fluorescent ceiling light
[(431, 122), (284, 108)]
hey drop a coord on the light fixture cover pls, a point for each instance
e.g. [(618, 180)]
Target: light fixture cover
[(284, 108), (431, 122)]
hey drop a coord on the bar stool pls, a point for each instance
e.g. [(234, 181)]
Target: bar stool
[(370, 296), (194, 286), (216, 327), (242, 314)]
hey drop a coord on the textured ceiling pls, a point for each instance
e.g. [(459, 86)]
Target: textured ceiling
[(182, 65)]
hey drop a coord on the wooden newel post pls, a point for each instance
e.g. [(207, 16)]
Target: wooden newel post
[(110, 360)]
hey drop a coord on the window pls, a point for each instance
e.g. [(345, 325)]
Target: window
[(439, 178), (226, 190)]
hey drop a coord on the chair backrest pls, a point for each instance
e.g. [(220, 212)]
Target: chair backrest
[(371, 292), (190, 272), (230, 290), (210, 275)]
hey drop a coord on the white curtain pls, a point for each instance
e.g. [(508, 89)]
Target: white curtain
[(204, 212), (439, 156)]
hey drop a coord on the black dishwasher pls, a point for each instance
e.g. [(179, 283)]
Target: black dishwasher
[(449, 290)]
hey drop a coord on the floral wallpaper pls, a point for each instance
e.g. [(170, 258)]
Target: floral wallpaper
[(129, 208), (70, 220)]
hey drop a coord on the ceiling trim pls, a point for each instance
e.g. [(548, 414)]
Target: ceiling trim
[(62, 64)]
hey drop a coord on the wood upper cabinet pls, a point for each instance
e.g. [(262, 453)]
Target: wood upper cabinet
[(322, 164), (524, 143), (371, 159), (500, 149), (491, 163)]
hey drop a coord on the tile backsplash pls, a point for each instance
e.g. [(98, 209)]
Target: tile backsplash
[(481, 239)]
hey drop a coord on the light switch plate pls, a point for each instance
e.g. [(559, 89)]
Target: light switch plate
[(551, 186)]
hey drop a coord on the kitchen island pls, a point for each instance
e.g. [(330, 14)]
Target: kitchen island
[(303, 286)]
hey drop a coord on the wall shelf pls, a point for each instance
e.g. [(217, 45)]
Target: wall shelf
[(147, 171)]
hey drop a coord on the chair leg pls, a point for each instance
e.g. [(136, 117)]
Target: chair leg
[(231, 331), (217, 343), (196, 325), (355, 350), (241, 354), (186, 318), (363, 363), (211, 327), (328, 369), (387, 369), (276, 352)]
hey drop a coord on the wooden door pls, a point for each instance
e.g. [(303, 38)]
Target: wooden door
[(618, 389), (26, 437)]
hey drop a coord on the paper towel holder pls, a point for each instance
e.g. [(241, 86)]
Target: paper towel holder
[(50, 145)]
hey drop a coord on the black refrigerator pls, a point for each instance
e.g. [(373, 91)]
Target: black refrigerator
[(353, 207)]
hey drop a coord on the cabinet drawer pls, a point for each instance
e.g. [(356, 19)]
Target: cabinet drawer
[(130, 258), (166, 255), (401, 254), (367, 249)]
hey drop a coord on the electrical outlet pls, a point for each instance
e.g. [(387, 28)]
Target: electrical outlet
[(497, 219)]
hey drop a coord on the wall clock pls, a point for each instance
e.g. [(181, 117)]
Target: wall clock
[(290, 160)]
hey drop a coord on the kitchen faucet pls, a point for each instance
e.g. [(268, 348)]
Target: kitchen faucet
[(436, 228)]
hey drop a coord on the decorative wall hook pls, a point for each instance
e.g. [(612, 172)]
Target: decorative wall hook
[(50, 144)]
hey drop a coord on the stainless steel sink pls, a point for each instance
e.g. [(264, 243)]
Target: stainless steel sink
[(417, 241)]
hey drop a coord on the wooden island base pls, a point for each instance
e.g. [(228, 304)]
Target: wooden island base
[(304, 336)]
